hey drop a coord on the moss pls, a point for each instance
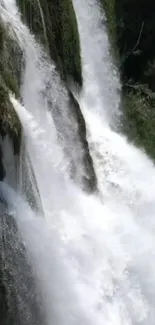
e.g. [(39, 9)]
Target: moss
[(10, 60), (2, 36), (9, 122), (8, 78), (58, 31), (139, 116), (17, 282), (9, 81)]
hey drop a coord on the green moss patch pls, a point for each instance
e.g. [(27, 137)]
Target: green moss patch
[(9, 81), (139, 116), (9, 122)]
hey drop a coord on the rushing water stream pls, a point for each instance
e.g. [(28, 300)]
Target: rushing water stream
[(93, 257)]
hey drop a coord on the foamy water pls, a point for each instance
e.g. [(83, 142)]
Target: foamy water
[(92, 255)]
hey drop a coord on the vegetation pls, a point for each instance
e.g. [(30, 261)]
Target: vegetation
[(9, 81), (132, 31), (139, 116)]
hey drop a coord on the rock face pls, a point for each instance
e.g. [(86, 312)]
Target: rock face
[(27, 181), (89, 178), (132, 33), (11, 139), (54, 23), (55, 26), (20, 302), (9, 81)]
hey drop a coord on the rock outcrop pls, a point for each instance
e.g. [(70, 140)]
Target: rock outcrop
[(54, 24), (10, 125), (20, 301), (55, 27)]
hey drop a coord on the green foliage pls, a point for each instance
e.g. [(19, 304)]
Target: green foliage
[(132, 29), (139, 116)]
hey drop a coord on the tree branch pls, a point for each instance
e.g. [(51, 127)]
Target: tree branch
[(139, 37)]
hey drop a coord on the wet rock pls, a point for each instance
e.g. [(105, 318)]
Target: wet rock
[(20, 300), (89, 180), (28, 183), (10, 125), (54, 24)]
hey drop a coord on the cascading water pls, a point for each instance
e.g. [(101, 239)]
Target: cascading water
[(93, 261), (101, 82), (45, 94)]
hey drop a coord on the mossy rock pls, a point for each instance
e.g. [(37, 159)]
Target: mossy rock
[(9, 81), (54, 23), (139, 117), (20, 299), (10, 66), (11, 60), (9, 122)]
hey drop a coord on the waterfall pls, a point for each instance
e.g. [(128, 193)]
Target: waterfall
[(101, 82), (92, 255), (45, 94)]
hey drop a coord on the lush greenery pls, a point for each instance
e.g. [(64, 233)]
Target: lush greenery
[(55, 24), (132, 31), (139, 116)]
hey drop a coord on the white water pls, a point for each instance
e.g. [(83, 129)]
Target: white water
[(94, 261), (101, 91), (44, 94)]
